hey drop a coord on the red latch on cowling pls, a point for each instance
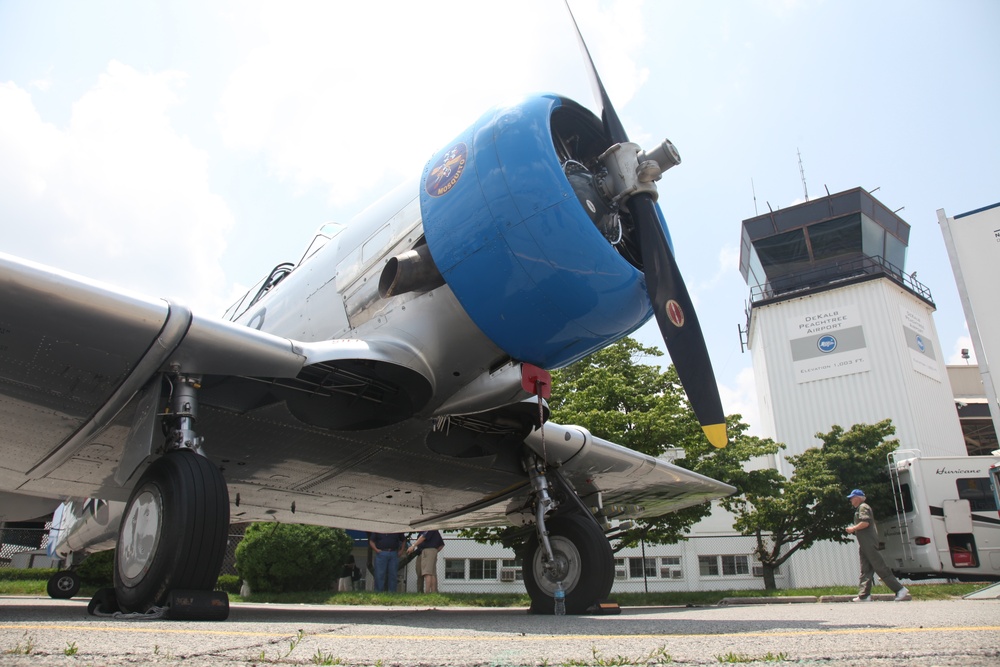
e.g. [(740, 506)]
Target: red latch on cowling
[(535, 380)]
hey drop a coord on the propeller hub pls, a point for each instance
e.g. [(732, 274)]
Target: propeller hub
[(626, 174), (665, 155)]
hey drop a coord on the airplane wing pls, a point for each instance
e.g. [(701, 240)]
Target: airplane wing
[(80, 361)]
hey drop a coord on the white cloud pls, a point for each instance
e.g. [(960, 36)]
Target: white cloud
[(335, 97), (742, 399), (118, 194), (729, 259)]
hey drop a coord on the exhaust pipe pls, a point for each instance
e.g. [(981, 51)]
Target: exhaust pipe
[(412, 271)]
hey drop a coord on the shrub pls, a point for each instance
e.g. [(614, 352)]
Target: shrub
[(27, 574), (97, 569), (277, 557), (229, 583)]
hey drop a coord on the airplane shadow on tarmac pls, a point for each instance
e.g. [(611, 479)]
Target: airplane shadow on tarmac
[(632, 621)]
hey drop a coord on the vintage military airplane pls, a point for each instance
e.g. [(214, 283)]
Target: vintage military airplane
[(390, 380)]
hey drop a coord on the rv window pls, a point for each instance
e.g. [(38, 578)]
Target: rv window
[(906, 498), (978, 492)]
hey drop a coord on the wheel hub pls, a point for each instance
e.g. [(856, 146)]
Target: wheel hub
[(140, 536), (566, 567)]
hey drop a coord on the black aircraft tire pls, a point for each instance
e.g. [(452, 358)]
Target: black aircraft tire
[(63, 585), (580, 545), (173, 533)]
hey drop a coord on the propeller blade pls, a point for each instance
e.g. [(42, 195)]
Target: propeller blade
[(678, 321), (671, 302), (613, 128)]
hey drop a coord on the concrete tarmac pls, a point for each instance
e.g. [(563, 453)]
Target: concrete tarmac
[(39, 631)]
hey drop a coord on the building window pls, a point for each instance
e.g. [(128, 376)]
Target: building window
[(758, 571), (482, 568), (510, 570), (454, 568), (665, 567), (730, 565), (640, 568), (670, 567)]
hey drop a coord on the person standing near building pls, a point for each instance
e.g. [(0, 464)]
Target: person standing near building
[(347, 574), (428, 545), (387, 547), (865, 530)]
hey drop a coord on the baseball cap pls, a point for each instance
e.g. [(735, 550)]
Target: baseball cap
[(856, 493)]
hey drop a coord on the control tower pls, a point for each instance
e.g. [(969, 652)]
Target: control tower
[(838, 331)]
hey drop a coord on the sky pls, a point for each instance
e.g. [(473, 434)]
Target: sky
[(183, 149)]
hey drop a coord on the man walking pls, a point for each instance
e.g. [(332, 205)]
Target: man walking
[(866, 531)]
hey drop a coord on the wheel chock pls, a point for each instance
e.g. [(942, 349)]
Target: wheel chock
[(197, 605), (605, 608), (104, 603)]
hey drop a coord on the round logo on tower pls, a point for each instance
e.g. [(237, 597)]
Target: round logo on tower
[(826, 344), (920, 343), (675, 313), (446, 170)]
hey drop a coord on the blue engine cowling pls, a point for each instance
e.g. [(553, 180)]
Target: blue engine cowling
[(516, 246)]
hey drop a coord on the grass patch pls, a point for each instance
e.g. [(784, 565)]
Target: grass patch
[(743, 657), (23, 587), (33, 583), (358, 598)]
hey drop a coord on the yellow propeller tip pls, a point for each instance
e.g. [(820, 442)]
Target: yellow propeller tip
[(716, 434)]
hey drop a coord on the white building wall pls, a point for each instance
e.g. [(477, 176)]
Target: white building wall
[(973, 242), (895, 379), (649, 568)]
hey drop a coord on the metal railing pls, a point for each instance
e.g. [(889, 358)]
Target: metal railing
[(831, 273)]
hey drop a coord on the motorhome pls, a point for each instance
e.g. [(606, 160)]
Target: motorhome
[(947, 523)]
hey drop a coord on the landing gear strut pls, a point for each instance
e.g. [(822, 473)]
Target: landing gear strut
[(175, 525), (569, 548)]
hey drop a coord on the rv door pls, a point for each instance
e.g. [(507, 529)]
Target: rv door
[(957, 516), (961, 541)]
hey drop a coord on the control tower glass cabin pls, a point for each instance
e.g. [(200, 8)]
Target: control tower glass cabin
[(822, 244)]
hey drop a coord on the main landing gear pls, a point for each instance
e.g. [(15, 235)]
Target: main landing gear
[(176, 522), (568, 548)]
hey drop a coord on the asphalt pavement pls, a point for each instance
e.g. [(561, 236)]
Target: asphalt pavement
[(39, 631)]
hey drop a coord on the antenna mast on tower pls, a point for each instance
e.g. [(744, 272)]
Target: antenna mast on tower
[(802, 171)]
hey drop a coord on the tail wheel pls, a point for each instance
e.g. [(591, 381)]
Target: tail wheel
[(173, 532), (63, 585), (584, 565)]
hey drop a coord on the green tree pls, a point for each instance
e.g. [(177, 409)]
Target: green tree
[(619, 396), (793, 514), (278, 557)]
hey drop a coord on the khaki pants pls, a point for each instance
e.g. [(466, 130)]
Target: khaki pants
[(872, 563)]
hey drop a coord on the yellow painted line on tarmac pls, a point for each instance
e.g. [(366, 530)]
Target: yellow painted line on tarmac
[(500, 637)]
